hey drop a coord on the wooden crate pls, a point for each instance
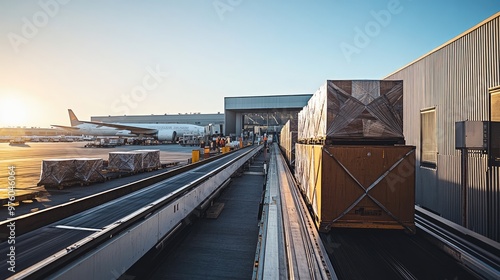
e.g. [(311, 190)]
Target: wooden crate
[(358, 186)]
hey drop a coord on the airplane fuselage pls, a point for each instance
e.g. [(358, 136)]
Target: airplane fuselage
[(162, 132), (91, 129), (165, 132)]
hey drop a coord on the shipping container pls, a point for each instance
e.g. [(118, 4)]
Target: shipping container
[(358, 186), (347, 111)]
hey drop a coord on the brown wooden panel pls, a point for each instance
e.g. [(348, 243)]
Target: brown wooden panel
[(396, 192)]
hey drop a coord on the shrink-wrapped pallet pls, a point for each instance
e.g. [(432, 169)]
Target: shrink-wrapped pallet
[(57, 171), (88, 170), (354, 110), (125, 161), (288, 138), (150, 159)]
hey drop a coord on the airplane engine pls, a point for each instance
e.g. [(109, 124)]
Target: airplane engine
[(166, 135)]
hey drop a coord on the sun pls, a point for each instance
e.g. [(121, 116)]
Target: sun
[(13, 111)]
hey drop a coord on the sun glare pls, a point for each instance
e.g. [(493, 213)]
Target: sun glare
[(13, 111)]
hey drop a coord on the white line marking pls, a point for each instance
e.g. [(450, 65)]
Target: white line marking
[(78, 228)]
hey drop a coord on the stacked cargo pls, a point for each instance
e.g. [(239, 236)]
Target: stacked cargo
[(125, 161), (88, 170), (345, 111), (56, 172), (150, 159), (288, 138), (350, 163), (66, 172)]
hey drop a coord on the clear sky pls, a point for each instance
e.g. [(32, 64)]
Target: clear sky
[(156, 57)]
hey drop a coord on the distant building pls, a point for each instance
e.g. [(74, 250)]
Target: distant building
[(261, 114)]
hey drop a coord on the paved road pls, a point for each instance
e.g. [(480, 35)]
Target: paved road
[(27, 160)]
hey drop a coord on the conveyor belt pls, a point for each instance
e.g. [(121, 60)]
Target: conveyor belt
[(388, 254), (39, 244)]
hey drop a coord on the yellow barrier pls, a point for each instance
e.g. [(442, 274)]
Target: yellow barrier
[(195, 156)]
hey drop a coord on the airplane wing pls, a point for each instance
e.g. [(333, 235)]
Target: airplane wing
[(133, 129), (74, 128)]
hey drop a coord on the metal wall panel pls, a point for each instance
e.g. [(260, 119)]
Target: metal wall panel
[(455, 78), (247, 103)]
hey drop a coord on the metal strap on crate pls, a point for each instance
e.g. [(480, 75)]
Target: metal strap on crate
[(366, 190)]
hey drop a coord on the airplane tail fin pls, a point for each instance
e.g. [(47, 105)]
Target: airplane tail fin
[(73, 119)]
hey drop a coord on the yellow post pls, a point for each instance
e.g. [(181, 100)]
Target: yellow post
[(241, 142), (195, 155), (207, 152)]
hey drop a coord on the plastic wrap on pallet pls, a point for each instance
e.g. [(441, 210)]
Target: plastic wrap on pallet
[(150, 158), (312, 118), (307, 166), (88, 170), (293, 141), (288, 138), (354, 109), (125, 161), (57, 171)]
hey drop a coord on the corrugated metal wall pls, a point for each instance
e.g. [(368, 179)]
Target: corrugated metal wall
[(455, 79)]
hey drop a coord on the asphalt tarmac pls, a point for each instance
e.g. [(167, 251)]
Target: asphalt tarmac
[(26, 161)]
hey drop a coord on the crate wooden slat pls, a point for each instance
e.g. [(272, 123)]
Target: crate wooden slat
[(358, 186)]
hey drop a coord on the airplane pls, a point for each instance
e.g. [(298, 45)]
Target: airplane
[(159, 131)]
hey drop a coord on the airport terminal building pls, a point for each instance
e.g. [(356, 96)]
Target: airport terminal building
[(261, 114)]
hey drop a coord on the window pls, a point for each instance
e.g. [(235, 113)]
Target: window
[(428, 139)]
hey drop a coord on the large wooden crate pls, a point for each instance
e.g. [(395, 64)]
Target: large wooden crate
[(358, 186)]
